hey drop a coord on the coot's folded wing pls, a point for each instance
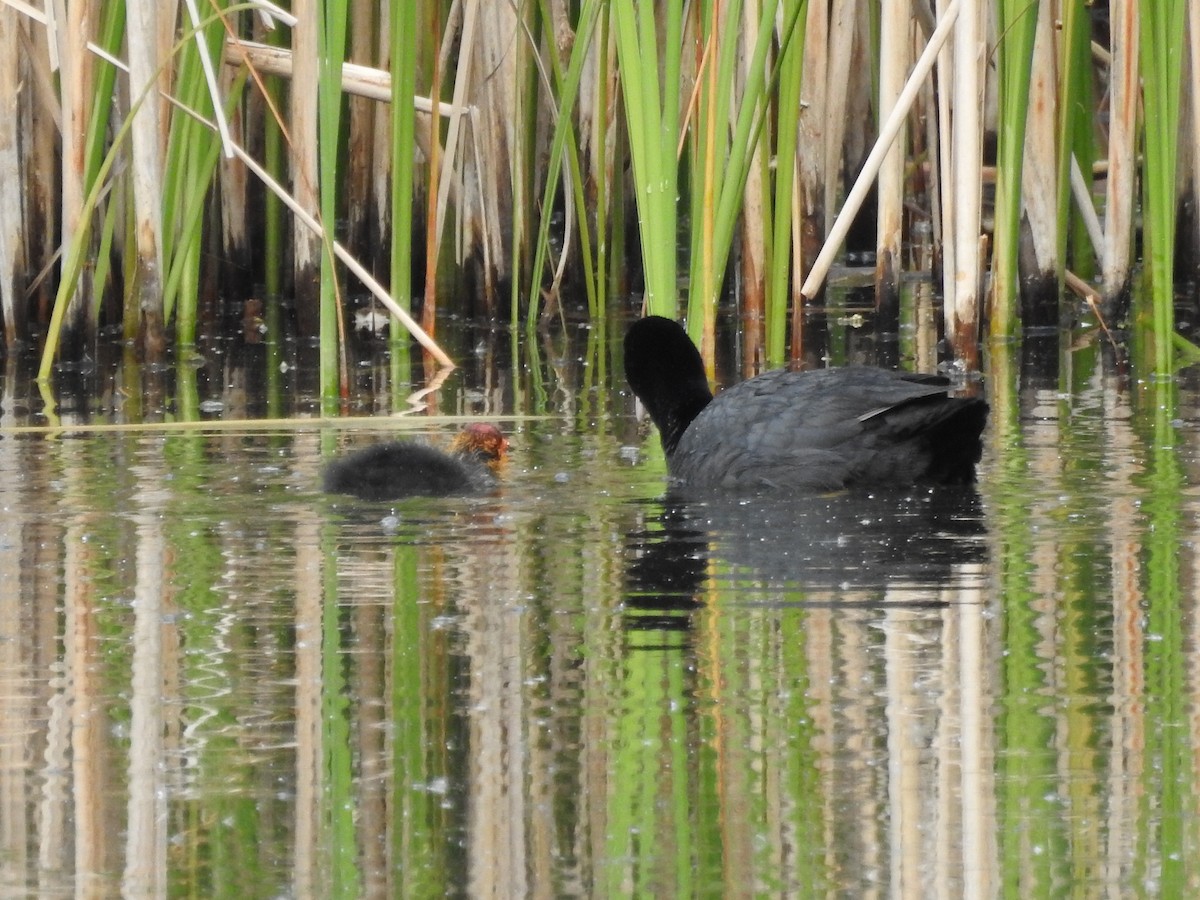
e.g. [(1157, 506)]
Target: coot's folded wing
[(817, 430)]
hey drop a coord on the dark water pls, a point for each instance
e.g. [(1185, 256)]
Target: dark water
[(216, 681)]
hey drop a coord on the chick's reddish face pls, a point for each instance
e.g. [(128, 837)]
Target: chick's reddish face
[(483, 439)]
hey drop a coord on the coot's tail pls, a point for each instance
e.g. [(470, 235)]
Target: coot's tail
[(954, 441)]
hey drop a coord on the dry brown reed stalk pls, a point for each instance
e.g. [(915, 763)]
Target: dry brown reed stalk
[(1081, 192), (69, 41), (962, 287), (12, 245), (303, 132), (357, 79), (814, 166), (235, 182), (39, 124), (1092, 298), (944, 226), (483, 165), (434, 156), (844, 36), (380, 186), (361, 161), (858, 120), (146, 139), (502, 195), (1039, 278), (887, 135), (1122, 139), (308, 221), (834, 38), (894, 49), (755, 216), (927, 112), (464, 73)]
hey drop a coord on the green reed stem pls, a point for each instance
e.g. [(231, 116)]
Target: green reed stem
[(564, 139), (196, 163), (602, 166), (1018, 23), (331, 52), (404, 45), (193, 151), (275, 162), (731, 166), (652, 115), (1162, 58), (1074, 125), (74, 255), (791, 65)]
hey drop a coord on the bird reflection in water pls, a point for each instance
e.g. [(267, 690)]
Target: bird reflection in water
[(848, 549)]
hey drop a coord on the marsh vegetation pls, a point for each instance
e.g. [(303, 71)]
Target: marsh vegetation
[(176, 170)]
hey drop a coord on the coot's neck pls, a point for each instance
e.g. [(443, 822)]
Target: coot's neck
[(666, 372), (673, 420)]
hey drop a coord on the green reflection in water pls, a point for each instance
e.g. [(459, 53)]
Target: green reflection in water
[(420, 856), (1167, 799), (341, 797), (649, 841), (1031, 830)]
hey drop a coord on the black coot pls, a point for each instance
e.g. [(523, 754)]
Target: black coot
[(403, 469), (818, 430)]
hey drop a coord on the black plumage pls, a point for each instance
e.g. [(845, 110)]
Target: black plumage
[(396, 469), (817, 430)]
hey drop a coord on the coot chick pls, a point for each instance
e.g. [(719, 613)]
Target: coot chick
[(398, 469), (818, 430)]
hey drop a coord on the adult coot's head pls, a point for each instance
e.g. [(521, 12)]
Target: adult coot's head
[(784, 430), (665, 371), (397, 469)]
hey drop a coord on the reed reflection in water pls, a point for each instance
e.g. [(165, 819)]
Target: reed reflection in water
[(215, 679)]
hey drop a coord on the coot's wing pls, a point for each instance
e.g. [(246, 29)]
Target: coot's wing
[(813, 430)]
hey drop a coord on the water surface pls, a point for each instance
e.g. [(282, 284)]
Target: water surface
[(217, 681)]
